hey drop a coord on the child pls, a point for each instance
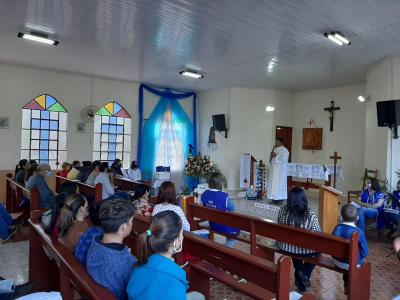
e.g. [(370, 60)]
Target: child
[(214, 197), (167, 200), (141, 200), (109, 262), (158, 276), (344, 230)]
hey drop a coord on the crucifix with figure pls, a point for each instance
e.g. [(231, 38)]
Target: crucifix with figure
[(331, 109)]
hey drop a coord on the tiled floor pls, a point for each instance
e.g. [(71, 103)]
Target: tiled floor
[(326, 284)]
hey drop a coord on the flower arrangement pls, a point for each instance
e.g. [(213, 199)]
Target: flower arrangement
[(199, 166)]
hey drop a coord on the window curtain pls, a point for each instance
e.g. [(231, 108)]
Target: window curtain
[(164, 138)]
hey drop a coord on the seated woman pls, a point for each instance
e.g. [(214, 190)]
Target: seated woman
[(7, 224), (167, 200), (392, 208), (20, 171), (297, 214), (134, 172), (108, 192), (157, 275), (117, 170), (214, 197), (46, 195), (74, 170), (141, 200), (73, 221), (84, 171), (31, 171), (65, 168), (372, 205), (95, 171)]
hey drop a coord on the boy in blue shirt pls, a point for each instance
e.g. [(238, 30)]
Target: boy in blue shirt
[(344, 230)]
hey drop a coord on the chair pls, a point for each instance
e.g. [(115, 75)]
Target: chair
[(367, 174), (162, 174)]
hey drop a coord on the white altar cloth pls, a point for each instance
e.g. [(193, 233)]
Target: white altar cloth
[(313, 171)]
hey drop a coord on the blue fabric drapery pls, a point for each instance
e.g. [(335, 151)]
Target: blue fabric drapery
[(165, 136)]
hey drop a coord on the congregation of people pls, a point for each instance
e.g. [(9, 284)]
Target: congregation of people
[(95, 232)]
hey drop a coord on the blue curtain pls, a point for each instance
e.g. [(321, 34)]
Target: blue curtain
[(164, 138)]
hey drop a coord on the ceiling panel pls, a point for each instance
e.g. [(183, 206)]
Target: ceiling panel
[(232, 41)]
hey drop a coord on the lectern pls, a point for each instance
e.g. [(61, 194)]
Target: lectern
[(328, 207)]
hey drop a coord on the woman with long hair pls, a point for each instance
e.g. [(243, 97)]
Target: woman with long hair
[(73, 220), (372, 205), (20, 171), (141, 200), (157, 275), (297, 214)]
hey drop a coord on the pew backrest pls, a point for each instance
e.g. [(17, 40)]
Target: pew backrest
[(94, 191), (15, 192)]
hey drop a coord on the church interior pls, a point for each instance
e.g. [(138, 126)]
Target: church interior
[(184, 149)]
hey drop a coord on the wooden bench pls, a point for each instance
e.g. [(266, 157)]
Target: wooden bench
[(14, 195), (85, 189), (62, 272), (128, 185), (326, 244)]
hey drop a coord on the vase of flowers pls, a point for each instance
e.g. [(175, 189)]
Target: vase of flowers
[(199, 168)]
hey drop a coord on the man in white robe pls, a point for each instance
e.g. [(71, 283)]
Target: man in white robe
[(277, 180)]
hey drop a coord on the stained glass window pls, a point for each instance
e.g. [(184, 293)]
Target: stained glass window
[(112, 134), (44, 131)]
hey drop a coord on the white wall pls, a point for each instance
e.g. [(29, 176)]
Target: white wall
[(251, 128), (19, 85), (348, 135)]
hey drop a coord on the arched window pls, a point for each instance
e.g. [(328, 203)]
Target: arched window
[(44, 131), (112, 134)]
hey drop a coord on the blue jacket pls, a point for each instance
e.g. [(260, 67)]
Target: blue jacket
[(109, 267), (45, 194), (374, 198), (219, 200), (345, 231), (159, 278)]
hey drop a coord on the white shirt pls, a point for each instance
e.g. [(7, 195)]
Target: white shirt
[(107, 189), (134, 175), (167, 206)]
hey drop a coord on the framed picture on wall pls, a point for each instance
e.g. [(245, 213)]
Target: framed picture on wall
[(4, 122), (80, 127), (312, 138)]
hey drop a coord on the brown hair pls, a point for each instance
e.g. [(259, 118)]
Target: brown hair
[(349, 213), (167, 193), (217, 181), (164, 229), (69, 211)]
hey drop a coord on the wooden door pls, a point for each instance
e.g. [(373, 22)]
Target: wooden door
[(286, 134)]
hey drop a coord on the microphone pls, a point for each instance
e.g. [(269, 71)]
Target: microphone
[(270, 155)]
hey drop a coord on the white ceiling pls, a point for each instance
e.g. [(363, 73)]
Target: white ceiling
[(232, 41)]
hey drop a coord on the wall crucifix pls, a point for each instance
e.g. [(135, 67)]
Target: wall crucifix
[(331, 109)]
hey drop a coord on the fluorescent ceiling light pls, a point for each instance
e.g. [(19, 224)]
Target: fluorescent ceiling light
[(192, 74), (270, 108), (37, 37), (361, 98), (337, 38), (341, 38)]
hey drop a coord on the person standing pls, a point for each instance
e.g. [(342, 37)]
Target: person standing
[(277, 181)]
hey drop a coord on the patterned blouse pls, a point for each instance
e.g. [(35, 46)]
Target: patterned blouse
[(310, 223)]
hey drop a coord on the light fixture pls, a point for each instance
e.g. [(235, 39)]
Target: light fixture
[(361, 98), (191, 73), (38, 37), (338, 38), (272, 64), (270, 108)]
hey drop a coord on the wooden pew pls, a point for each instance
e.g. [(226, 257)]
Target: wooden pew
[(95, 191), (61, 273), (128, 185), (14, 195), (326, 244)]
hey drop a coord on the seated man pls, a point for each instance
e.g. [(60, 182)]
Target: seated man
[(109, 262), (108, 192), (214, 197)]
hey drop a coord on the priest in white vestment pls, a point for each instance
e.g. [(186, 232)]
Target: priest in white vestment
[(277, 180)]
